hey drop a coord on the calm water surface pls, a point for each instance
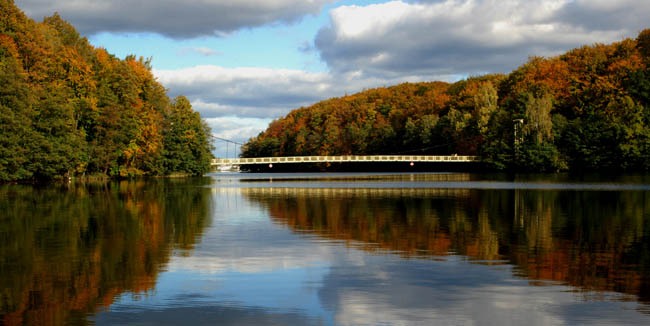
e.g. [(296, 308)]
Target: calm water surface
[(328, 249)]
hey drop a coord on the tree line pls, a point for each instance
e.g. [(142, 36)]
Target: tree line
[(68, 108), (588, 109)]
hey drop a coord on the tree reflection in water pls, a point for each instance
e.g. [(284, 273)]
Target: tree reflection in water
[(593, 240), (67, 251)]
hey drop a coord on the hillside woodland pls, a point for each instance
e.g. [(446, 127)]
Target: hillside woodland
[(68, 108), (588, 109)]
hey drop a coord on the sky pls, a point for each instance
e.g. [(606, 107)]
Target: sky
[(244, 63)]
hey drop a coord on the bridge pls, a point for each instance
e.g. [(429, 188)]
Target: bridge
[(225, 162)]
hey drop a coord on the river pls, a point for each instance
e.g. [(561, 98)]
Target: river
[(328, 249)]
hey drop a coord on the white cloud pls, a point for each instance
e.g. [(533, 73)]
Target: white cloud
[(173, 18), (468, 36), (219, 252), (237, 129), (389, 43), (205, 51), (605, 5), (238, 103), (459, 292), (265, 92), (491, 304), (251, 92)]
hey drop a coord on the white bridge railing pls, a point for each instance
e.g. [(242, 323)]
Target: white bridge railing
[(344, 158)]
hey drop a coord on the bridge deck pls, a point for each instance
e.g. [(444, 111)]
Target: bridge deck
[(345, 158)]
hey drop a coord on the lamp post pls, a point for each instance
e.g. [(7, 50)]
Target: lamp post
[(518, 123)]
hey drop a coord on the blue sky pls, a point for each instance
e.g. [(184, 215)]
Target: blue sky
[(275, 46), (244, 63)]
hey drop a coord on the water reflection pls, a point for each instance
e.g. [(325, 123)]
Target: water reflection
[(67, 251), (406, 249), (592, 240)]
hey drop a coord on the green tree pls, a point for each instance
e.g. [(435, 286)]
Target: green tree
[(485, 103), (187, 141), (538, 123), (16, 115)]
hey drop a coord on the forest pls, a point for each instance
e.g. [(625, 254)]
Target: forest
[(70, 109), (585, 110)]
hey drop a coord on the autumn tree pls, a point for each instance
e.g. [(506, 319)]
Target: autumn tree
[(68, 108), (587, 109)]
